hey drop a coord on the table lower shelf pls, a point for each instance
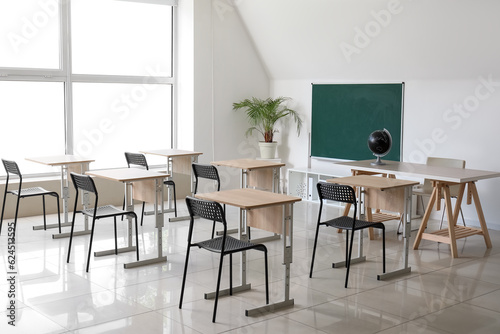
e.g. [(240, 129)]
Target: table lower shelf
[(444, 235), (379, 217)]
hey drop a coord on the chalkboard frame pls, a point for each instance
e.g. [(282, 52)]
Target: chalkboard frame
[(343, 116)]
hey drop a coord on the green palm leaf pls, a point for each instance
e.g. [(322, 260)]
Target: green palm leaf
[(264, 114)]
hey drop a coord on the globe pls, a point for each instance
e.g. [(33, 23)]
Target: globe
[(379, 142)]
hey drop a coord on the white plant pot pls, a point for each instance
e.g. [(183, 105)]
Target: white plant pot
[(268, 150)]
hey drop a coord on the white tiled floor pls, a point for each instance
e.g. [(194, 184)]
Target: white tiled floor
[(440, 295)]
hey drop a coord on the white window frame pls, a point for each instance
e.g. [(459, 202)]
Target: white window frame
[(65, 76)]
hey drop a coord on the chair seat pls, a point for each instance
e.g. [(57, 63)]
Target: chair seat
[(34, 191), (232, 245), (105, 211), (345, 223)]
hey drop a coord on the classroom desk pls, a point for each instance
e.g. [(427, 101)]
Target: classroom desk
[(385, 194), (260, 174), (179, 162), (68, 164), (442, 178), (265, 210), (143, 185)]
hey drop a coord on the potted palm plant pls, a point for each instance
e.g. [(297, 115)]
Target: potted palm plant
[(263, 114)]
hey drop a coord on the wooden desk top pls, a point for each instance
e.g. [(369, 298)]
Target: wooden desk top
[(248, 198), (171, 152), (374, 182), (248, 163), (438, 173), (58, 160), (127, 174)]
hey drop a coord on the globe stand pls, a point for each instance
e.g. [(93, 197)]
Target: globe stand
[(377, 162)]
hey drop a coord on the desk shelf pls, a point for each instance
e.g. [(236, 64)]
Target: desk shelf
[(302, 183)]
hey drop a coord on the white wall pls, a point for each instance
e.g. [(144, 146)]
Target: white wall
[(446, 51), (226, 69)]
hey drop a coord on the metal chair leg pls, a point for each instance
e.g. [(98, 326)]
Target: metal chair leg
[(90, 245), (3, 208), (44, 217), (71, 236), (383, 250), (58, 213), (175, 201), (314, 251), (184, 276), (136, 239), (218, 288), (230, 274), (142, 212), (267, 276), (348, 263), (116, 238)]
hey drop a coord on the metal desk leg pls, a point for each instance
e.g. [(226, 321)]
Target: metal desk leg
[(65, 198), (194, 159), (159, 206), (287, 260), (406, 237)]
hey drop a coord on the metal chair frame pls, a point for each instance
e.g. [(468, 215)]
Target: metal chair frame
[(85, 183), (224, 245), (11, 167), (343, 194), (138, 159)]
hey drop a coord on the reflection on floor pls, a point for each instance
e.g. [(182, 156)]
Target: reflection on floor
[(440, 295)]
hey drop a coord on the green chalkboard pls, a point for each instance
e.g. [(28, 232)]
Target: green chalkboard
[(344, 115)]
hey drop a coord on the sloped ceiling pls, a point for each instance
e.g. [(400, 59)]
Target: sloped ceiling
[(367, 39)]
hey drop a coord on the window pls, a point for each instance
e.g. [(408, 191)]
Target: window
[(34, 124), (104, 89), (110, 119), (124, 38), (30, 33)]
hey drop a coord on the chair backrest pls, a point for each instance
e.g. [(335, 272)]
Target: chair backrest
[(83, 182), (443, 162), (206, 172), (11, 167), (338, 193), (136, 159), (209, 210)]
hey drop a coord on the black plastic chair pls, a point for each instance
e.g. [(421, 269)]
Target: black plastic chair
[(343, 194), (208, 172), (12, 168), (85, 183), (138, 159), (224, 245)]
